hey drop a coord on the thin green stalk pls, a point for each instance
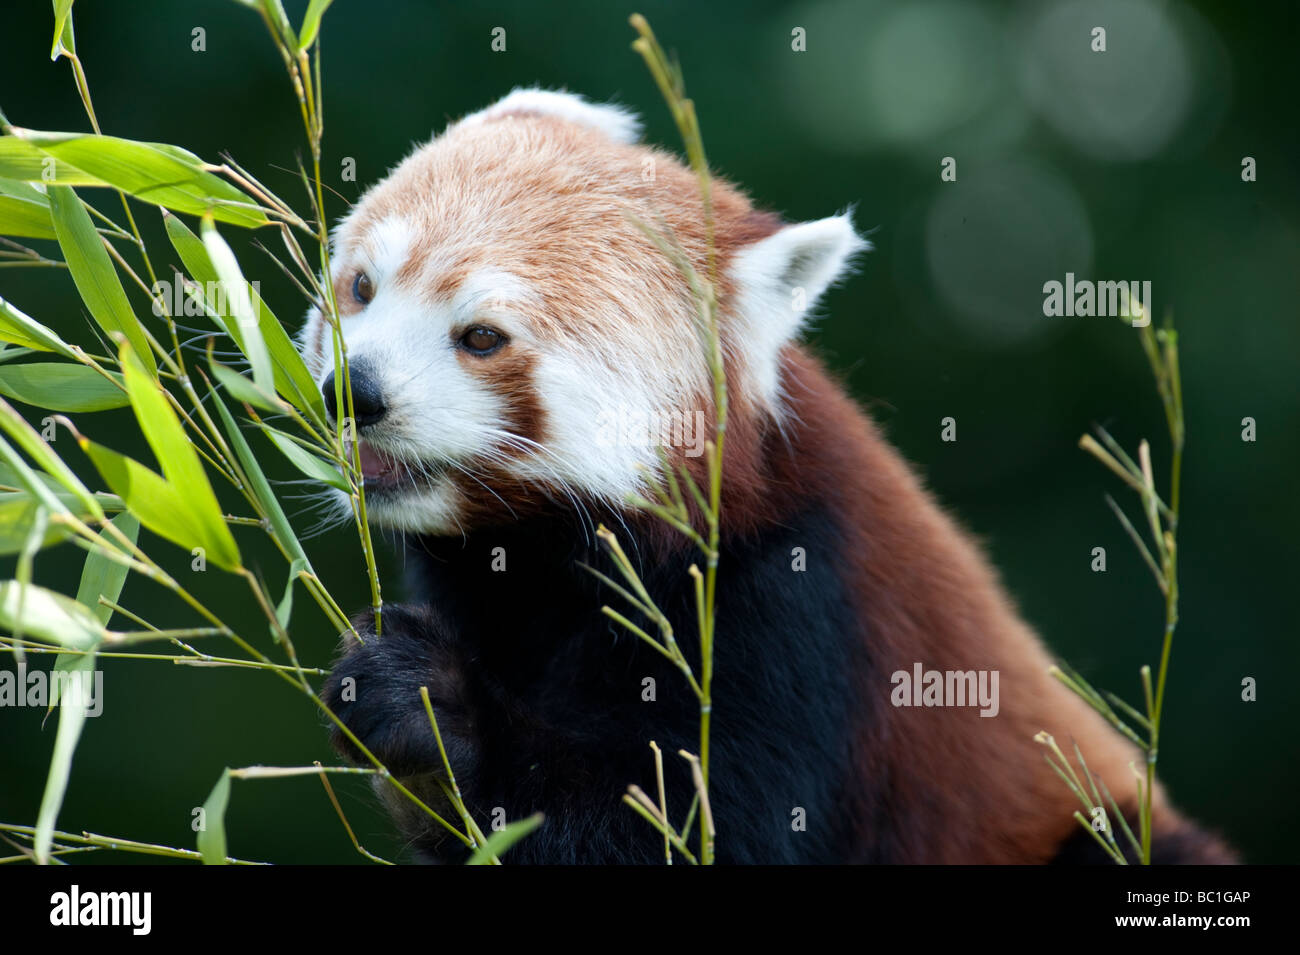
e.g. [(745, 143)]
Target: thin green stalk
[(334, 801), (451, 788), (124, 845), (1161, 350)]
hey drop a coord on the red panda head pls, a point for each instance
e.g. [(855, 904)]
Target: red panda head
[(515, 339)]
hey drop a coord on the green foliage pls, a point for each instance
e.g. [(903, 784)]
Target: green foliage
[(212, 835), (63, 387), (101, 290), (1161, 349), (43, 502)]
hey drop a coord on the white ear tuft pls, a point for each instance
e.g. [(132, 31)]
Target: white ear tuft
[(619, 124), (807, 256), (780, 278)]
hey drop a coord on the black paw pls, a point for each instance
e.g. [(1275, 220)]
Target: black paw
[(375, 690)]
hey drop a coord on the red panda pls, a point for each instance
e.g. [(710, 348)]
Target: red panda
[(511, 330)]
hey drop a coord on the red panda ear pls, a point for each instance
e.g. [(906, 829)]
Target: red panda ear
[(619, 124), (778, 281)]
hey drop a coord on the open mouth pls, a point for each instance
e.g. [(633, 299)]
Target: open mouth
[(376, 465), (385, 472), (380, 470)]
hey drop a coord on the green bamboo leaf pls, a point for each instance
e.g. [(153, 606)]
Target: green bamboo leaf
[(292, 379), (311, 23), (503, 839), (26, 560), (23, 190), (26, 162), (63, 40), (72, 716), (241, 389), (160, 507), (93, 272), (275, 11), (102, 576), (158, 173), (10, 482), (35, 540), (48, 616), (28, 480), (238, 296), (260, 486), (22, 329), (318, 469), (18, 514), (59, 387), (163, 430), (212, 837), (186, 487), (16, 426), (25, 218), (284, 609), (24, 210)]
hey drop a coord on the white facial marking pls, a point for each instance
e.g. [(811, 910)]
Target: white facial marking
[(439, 416), (602, 356), (385, 248), (492, 295)]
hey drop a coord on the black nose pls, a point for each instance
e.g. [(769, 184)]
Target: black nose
[(367, 399)]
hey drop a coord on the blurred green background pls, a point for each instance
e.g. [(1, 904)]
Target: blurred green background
[(1117, 165)]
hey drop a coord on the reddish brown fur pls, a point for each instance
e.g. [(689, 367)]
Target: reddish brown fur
[(926, 592), (928, 595)]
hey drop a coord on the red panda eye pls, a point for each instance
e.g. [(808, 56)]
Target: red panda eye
[(482, 341), (363, 290)]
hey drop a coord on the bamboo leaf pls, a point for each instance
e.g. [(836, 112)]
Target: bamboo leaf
[(280, 20), (22, 329), (26, 478), (503, 839), (48, 616), (25, 218), (292, 379), (239, 299), (309, 464), (284, 609), (23, 190), (260, 486), (182, 506), (72, 717), (160, 506), (22, 161), (11, 480), (59, 387), (102, 576), (63, 40), (18, 512), (157, 173), (16, 426), (23, 570), (212, 837), (241, 389), (93, 272), (311, 23), (180, 463)]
